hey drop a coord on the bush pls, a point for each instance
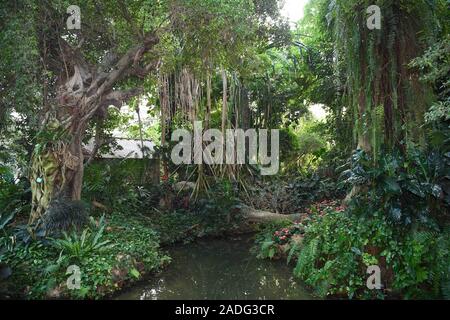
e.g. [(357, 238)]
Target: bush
[(15, 196), (303, 149), (117, 184), (214, 213), (293, 195), (271, 235), (77, 247), (412, 189), (110, 255), (338, 248), (219, 210)]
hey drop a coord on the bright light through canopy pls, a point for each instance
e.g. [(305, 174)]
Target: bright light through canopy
[(293, 9)]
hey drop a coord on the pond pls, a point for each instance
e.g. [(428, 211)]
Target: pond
[(220, 269)]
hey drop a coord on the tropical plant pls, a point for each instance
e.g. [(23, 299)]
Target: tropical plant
[(14, 196), (338, 248), (76, 246), (407, 189)]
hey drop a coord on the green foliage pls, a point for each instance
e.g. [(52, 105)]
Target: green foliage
[(220, 208), (305, 149), (119, 184), (290, 143), (331, 258), (438, 112), (139, 239), (434, 67), (14, 208), (311, 135), (384, 114), (176, 226), (227, 33), (398, 219), (279, 239), (77, 247), (175, 215), (53, 133), (265, 244), (412, 189), (213, 214), (110, 253), (338, 248), (294, 194), (307, 190), (20, 70), (14, 196), (268, 249), (446, 288), (284, 235)]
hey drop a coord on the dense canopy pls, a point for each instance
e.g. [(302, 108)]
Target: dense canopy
[(350, 105)]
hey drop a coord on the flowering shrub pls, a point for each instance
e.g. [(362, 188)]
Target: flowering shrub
[(284, 235), (276, 239)]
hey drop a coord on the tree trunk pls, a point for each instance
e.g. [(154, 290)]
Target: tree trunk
[(55, 172)]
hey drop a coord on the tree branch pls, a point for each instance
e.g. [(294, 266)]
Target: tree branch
[(118, 98), (142, 72), (106, 81)]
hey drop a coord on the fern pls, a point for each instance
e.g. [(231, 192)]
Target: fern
[(267, 249), (293, 251), (307, 258), (423, 236)]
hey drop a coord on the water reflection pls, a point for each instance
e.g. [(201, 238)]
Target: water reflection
[(220, 269)]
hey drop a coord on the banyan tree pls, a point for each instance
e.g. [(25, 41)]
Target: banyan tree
[(116, 53), (382, 92), (83, 91)]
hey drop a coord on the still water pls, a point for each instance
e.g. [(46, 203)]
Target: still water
[(219, 269)]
